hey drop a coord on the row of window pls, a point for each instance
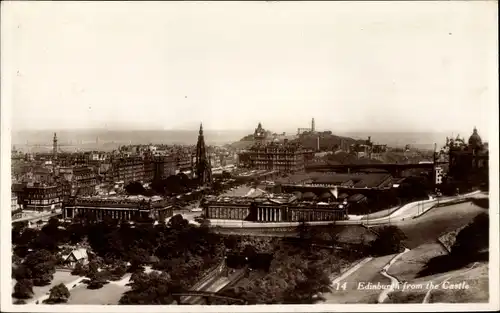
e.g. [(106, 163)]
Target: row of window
[(42, 202)]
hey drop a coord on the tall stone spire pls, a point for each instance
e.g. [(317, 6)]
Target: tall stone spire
[(203, 169), (54, 146)]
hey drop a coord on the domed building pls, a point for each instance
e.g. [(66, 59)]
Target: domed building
[(470, 163), (475, 142)]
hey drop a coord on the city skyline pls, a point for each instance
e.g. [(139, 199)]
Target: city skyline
[(173, 66)]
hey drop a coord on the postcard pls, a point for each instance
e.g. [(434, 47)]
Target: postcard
[(249, 156)]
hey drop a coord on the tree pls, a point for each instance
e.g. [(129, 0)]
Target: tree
[(473, 238), (40, 266), (389, 240), (23, 289), (118, 272), (28, 235), (93, 269), (152, 288), (173, 184), (138, 257), (177, 222), (135, 188), (58, 294), (316, 281), (78, 270), (97, 282)]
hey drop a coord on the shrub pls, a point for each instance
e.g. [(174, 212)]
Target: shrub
[(390, 240), (58, 294), (23, 289)]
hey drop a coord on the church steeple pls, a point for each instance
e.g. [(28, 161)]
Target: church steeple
[(202, 169)]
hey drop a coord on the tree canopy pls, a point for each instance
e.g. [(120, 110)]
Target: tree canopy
[(58, 294), (135, 188)]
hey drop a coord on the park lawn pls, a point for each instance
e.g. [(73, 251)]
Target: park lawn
[(478, 281), (436, 222), (411, 263), (368, 273), (108, 294), (59, 277), (476, 278)]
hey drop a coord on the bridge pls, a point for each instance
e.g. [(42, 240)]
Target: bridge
[(394, 168), (205, 295)]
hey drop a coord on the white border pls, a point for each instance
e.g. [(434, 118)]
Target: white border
[(5, 224)]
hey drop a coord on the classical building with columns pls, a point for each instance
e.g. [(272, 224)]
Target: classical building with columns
[(131, 208), (273, 208)]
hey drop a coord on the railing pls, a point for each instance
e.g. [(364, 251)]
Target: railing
[(216, 271), (235, 279)]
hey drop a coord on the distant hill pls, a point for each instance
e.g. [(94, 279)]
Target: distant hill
[(101, 139), (327, 141)]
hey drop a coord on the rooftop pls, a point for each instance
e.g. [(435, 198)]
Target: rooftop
[(254, 173), (127, 198), (360, 180)]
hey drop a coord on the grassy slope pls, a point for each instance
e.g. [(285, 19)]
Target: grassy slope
[(370, 272), (437, 222), (425, 231)]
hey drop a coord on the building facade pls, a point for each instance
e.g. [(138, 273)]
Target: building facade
[(286, 157), (127, 169), (41, 197), (13, 203), (164, 166), (117, 208), (279, 208), (83, 179)]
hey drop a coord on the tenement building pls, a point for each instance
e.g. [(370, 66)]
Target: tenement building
[(127, 169), (164, 166), (131, 208), (283, 157), (83, 179), (41, 197), (275, 208)]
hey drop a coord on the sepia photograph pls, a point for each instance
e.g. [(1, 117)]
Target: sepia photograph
[(249, 156)]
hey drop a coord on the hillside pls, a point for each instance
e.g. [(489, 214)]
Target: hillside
[(327, 141)]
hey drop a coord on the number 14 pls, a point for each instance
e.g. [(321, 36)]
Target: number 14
[(338, 286)]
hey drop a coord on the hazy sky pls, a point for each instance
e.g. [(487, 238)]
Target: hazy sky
[(422, 66)]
